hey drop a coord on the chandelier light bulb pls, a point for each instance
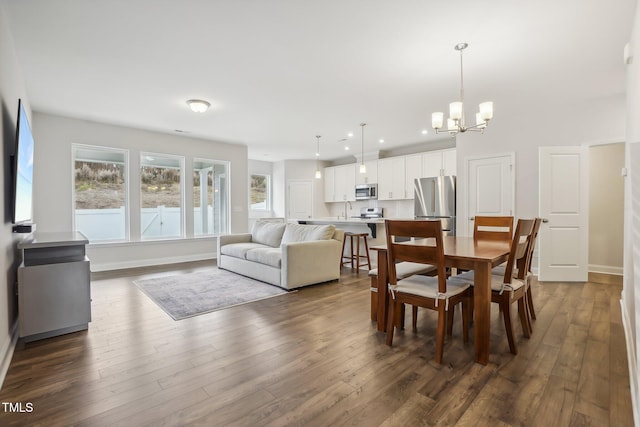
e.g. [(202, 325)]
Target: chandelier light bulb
[(486, 110), (436, 120), (455, 110)]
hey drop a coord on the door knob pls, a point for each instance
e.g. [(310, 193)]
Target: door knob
[(472, 218), (545, 220)]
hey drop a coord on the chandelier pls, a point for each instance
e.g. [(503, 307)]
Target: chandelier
[(456, 121)]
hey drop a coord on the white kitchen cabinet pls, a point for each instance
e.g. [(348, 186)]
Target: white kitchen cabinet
[(370, 176), (345, 183), (329, 184), (439, 163), (391, 178), (412, 170)]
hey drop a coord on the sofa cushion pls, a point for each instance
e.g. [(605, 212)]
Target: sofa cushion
[(306, 232), (239, 250), (268, 256), (267, 233)]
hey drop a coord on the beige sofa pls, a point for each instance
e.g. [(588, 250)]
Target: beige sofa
[(286, 255)]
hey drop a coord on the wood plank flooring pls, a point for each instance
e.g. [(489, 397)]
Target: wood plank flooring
[(314, 358)]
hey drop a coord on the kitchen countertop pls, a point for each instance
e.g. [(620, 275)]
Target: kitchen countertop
[(336, 220)]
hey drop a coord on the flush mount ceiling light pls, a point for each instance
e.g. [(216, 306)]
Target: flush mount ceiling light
[(456, 122), (363, 168), (198, 105), (318, 173)]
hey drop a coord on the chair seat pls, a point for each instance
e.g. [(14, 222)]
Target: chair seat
[(405, 269), (499, 270), (427, 286), (497, 281)]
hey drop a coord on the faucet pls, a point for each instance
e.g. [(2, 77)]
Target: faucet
[(345, 208)]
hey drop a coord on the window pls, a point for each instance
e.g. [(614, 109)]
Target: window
[(210, 197), (100, 193), (161, 195), (260, 193)]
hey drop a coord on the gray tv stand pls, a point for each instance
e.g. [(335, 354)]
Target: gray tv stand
[(54, 294)]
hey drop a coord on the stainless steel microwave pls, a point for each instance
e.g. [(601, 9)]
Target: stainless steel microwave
[(366, 191)]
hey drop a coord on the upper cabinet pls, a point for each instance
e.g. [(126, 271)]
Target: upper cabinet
[(345, 183), (439, 163), (329, 184), (391, 178), (370, 176), (394, 175), (412, 171)]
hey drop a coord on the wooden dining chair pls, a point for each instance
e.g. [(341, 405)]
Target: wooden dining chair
[(530, 249), (498, 228), (432, 292), (523, 271), (510, 286)]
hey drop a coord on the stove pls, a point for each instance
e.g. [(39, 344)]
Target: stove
[(369, 213)]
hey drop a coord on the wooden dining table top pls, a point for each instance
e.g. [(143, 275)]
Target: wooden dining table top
[(463, 248)]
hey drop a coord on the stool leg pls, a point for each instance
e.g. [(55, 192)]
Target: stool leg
[(358, 254), (366, 249), (344, 241), (351, 238)]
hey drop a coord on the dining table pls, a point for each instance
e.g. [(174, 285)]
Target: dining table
[(460, 252)]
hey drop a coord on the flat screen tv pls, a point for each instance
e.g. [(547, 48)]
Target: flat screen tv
[(23, 170)]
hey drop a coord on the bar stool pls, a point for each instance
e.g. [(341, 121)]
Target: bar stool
[(355, 258)]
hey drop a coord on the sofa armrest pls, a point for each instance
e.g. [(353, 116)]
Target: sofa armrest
[(310, 262), (227, 239)]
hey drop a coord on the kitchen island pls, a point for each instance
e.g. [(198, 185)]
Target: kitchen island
[(348, 224), (374, 227)]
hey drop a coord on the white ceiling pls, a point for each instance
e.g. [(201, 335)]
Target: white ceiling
[(280, 72)]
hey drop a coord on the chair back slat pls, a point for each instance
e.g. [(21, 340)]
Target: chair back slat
[(495, 228), (427, 249), (519, 248)]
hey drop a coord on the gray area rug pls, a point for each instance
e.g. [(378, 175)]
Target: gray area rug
[(191, 294)]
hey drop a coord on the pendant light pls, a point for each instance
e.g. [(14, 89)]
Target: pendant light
[(363, 168), (318, 173)]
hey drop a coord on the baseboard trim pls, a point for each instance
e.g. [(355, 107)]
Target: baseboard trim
[(7, 353), (97, 267), (605, 269), (631, 357)]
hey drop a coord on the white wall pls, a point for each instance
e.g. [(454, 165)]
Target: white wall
[(524, 130), (631, 280), (53, 210), (285, 170), (606, 208), (12, 88)]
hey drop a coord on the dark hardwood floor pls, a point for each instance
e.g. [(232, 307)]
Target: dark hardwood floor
[(313, 357)]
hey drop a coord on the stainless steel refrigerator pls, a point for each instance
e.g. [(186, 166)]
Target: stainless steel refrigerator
[(435, 198)]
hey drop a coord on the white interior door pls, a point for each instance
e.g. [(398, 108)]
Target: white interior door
[(490, 185), (564, 204), (299, 199)]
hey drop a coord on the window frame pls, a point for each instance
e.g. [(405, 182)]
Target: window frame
[(268, 191), (75, 147), (182, 169), (226, 188)]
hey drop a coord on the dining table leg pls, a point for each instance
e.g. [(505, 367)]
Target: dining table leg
[(383, 293), (482, 311)]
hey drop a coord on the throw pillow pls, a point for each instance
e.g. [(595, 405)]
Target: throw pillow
[(267, 233), (305, 233)]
